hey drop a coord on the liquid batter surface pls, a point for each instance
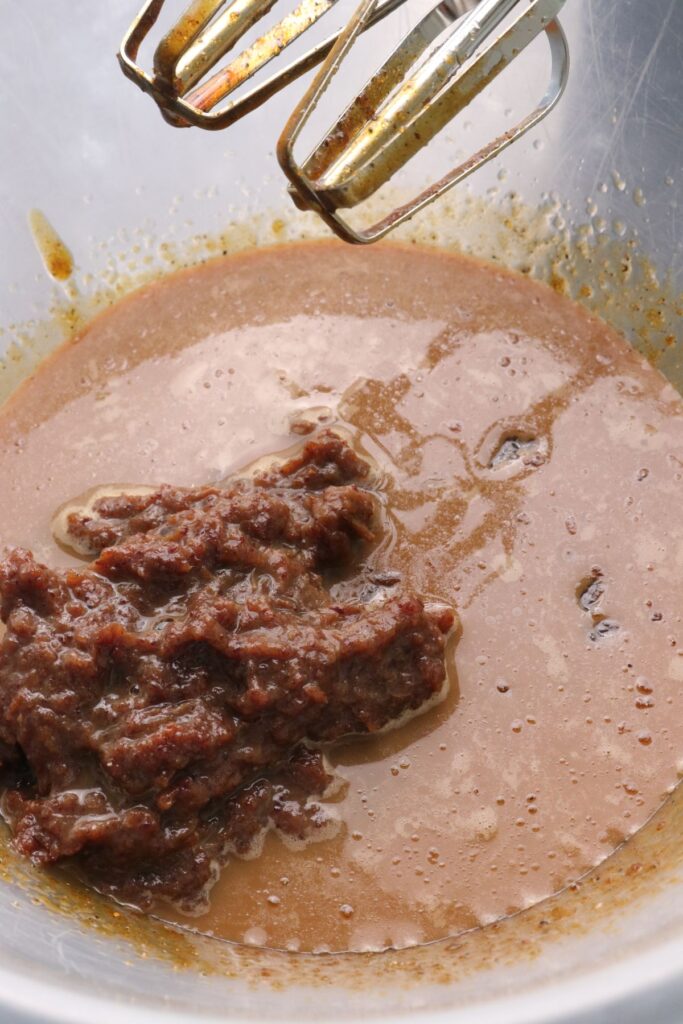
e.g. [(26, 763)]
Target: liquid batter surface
[(533, 471)]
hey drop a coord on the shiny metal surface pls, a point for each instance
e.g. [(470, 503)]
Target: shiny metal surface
[(416, 92), (196, 43), (111, 177), (408, 102)]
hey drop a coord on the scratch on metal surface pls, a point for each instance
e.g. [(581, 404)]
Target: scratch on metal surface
[(596, 51), (640, 81)]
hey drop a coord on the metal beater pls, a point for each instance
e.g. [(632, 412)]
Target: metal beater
[(440, 66)]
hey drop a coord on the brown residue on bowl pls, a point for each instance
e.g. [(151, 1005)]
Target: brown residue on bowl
[(53, 251)]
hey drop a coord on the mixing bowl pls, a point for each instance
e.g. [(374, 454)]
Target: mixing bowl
[(589, 202)]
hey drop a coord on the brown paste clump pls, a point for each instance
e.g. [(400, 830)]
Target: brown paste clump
[(164, 706)]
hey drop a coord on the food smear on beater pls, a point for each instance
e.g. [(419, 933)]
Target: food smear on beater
[(523, 463)]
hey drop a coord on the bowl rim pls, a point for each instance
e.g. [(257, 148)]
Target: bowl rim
[(649, 981)]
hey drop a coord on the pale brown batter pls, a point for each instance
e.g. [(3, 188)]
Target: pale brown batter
[(562, 551)]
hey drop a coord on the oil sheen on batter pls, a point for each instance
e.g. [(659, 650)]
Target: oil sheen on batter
[(533, 467)]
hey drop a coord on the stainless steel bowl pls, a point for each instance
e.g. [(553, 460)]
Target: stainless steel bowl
[(601, 177)]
